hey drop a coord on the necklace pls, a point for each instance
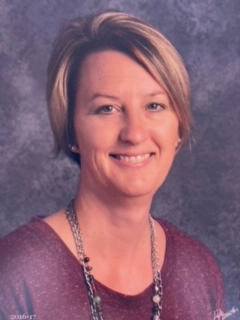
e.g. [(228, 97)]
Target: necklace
[(94, 299)]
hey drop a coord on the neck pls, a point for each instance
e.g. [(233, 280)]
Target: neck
[(115, 224), (117, 238)]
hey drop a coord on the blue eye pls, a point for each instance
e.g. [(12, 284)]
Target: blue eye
[(155, 107), (108, 109)]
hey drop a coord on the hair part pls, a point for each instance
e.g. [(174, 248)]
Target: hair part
[(124, 33)]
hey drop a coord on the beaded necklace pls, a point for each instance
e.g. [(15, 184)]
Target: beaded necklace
[(94, 299)]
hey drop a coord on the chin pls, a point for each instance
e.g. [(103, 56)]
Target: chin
[(139, 190)]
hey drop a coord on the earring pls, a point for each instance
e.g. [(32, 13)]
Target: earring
[(178, 143), (72, 148)]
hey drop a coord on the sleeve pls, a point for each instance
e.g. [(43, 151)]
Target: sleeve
[(194, 281), (15, 298), (206, 283), (214, 283)]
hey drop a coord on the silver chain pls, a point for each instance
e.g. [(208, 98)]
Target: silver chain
[(95, 300)]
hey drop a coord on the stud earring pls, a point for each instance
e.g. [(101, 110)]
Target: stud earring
[(72, 148), (178, 143)]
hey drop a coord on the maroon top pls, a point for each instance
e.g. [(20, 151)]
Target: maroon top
[(41, 279)]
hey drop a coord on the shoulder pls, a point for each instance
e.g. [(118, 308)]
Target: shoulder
[(187, 252), (192, 268), (33, 254), (35, 263), (25, 246), (182, 245), (20, 260)]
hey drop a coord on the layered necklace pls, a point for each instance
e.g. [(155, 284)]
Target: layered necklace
[(94, 298)]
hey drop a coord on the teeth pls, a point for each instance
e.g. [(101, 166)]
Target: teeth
[(134, 159)]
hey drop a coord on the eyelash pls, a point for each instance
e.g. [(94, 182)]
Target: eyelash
[(158, 105), (105, 109), (102, 109)]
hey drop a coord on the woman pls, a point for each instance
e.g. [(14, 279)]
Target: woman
[(118, 98)]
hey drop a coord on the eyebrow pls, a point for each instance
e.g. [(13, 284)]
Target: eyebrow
[(103, 95), (156, 93)]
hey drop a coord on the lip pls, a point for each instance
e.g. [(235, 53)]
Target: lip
[(136, 159)]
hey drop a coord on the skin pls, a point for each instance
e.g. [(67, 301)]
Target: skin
[(126, 134)]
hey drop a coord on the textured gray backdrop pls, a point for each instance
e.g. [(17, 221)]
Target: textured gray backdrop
[(202, 193)]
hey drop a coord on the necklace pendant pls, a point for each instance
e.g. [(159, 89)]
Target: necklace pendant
[(156, 298)]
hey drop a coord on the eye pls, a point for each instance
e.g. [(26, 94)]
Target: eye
[(155, 106), (108, 109)]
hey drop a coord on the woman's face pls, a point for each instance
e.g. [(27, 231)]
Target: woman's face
[(126, 130)]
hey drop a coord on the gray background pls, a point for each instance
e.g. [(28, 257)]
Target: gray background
[(201, 194)]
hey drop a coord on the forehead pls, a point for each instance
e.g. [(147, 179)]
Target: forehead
[(114, 70)]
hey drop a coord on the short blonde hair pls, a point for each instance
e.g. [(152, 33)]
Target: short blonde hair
[(124, 33)]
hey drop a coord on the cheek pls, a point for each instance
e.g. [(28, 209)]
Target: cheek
[(93, 139), (168, 132)]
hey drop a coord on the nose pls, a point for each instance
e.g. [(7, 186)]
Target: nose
[(134, 130)]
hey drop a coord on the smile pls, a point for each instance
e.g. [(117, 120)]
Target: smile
[(132, 159)]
